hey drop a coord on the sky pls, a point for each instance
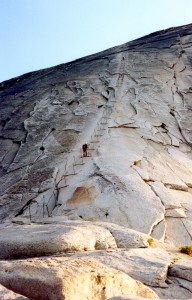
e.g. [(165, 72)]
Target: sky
[(36, 34)]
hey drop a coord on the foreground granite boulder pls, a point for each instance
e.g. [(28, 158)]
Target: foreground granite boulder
[(61, 237), (60, 278), (38, 240), (72, 275)]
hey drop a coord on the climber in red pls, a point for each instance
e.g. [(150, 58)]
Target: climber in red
[(85, 150)]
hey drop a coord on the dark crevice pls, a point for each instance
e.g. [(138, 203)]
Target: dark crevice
[(72, 102), (172, 113), (23, 208), (105, 97), (164, 126)]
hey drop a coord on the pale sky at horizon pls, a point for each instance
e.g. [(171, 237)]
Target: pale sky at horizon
[(36, 34)]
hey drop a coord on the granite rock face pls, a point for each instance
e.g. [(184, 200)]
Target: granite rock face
[(132, 105)]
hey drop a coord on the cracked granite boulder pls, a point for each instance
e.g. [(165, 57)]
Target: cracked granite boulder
[(132, 105)]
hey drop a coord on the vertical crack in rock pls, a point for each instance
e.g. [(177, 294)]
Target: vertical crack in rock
[(189, 232)]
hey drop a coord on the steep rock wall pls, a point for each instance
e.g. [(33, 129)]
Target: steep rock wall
[(89, 227), (132, 105)]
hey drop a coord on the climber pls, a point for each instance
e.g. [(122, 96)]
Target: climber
[(85, 150)]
